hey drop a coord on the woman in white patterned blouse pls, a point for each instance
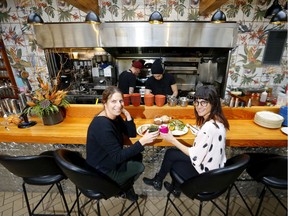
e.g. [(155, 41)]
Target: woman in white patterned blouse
[(208, 150)]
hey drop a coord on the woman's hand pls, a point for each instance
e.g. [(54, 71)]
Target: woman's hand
[(171, 139), (127, 114), (148, 137), (168, 137)]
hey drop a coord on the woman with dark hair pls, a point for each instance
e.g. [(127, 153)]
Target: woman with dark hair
[(208, 150), (105, 140)]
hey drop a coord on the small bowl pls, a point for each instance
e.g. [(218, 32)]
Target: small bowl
[(157, 120)]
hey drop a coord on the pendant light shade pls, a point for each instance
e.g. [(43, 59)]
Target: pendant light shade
[(272, 10), (156, 18), (34, 19), (279, 18), (218, 17), (92, 18)]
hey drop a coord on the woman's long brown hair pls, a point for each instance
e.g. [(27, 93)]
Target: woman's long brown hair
[(210, 94)]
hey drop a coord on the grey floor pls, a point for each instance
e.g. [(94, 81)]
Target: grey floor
[(12, 203)]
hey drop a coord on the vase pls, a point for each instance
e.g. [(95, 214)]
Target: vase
[(136, 99), (53, 118), (160, 100), (149, 99)]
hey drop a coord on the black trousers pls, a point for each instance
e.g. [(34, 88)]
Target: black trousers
[(176, 159)]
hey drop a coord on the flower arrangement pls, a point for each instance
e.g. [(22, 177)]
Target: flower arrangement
[(46, 100)]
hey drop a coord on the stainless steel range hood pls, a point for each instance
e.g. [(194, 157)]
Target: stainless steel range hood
[(140, 38)]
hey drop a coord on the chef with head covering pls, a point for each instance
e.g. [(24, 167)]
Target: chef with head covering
[(127, 79), (160, 82)]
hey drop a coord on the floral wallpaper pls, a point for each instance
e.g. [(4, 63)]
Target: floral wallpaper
[(245, 69)]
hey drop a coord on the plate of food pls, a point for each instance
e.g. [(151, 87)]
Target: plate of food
[(180, 132), (141, 130), (177, 127)]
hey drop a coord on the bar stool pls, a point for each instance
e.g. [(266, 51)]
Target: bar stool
[(93, 184), (40, 170), (210, 185), (271, 171)]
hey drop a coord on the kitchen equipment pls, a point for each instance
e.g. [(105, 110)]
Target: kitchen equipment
[(184, 71), (160, 100), (268, 119), (183, 101), (135, 99), (148, 99), (171, 100), (207, 72), (126, 99)]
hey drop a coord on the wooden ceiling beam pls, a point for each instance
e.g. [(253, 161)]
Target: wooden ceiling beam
[(208, 6), (85, 5)]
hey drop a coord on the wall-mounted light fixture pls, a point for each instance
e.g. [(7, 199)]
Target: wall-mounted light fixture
[(279, 18), (92, 18), (156, 18), (272, 10), (34, 19), (218, 17)]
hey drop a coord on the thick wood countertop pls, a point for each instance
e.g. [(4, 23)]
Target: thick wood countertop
[(73, 130)]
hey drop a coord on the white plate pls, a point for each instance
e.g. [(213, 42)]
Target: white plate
[(175, 132), (285, 130), (180, 132), (140, 128)]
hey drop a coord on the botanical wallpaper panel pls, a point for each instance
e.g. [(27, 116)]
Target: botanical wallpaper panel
[(245, 69)]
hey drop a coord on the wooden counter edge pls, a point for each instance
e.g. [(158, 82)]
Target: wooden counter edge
[(147, 112)]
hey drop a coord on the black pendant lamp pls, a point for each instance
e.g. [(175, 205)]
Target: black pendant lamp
[(218, 17), (92, 18), (279, 18), (273, 9), (34, 19), (156, 18)]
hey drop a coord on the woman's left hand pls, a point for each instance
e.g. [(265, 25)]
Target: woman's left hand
[(127, 114)]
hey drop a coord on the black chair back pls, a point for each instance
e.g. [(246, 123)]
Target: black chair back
[(211, 184), (31, 166), (270, 167), (85, 177)]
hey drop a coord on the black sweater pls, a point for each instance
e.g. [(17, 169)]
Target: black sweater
[(104, 147)]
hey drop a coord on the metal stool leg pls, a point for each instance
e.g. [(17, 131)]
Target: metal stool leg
[(262, 194), (60, 189), (26, 199)]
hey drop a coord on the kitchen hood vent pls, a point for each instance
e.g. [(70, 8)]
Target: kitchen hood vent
[(67, 35), (128, 39)]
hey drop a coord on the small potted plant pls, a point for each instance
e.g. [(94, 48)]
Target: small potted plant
[(48, 103)]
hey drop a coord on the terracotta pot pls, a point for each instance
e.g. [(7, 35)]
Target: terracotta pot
[(160, 100), (126, 98), (53, 118), (149, 99), (135, 99)]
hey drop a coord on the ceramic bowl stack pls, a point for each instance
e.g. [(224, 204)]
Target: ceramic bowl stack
[(268, 119)]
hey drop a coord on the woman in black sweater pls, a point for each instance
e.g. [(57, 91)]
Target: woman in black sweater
[(105, 137)]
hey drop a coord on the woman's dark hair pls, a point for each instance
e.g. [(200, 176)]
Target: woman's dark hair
[(210, 94), (108, 92)]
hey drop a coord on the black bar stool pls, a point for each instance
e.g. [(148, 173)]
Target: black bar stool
[(40, 170)]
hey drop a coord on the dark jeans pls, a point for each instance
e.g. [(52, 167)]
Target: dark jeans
[(179, 161), (133, 170)]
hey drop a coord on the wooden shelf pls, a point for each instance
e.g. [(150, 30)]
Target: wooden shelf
[(4, 77), (7, 67)]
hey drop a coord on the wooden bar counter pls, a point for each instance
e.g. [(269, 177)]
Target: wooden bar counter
[(73, 130)]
